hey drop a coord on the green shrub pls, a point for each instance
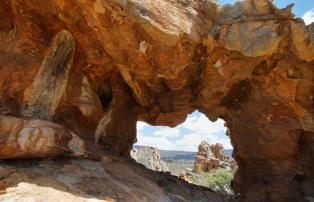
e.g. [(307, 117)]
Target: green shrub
[(218, 178)]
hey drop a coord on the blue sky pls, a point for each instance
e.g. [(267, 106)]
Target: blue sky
[(197, 127)]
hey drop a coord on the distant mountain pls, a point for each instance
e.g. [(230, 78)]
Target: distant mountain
[(166, 155)]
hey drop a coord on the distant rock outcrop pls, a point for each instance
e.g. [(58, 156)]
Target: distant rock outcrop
[(149, 157), (210, 157)]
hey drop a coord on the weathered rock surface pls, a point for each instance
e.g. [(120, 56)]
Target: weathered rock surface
[(90, 181), (149, 157), (44, 95), (32, 138), (211, 157), (96, 67)]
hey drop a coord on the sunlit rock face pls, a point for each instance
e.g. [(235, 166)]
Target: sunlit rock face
[(149, 157), (210, 157), (97, 67)]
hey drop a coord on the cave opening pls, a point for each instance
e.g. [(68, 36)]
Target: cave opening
[(198, 151), (105, 95)]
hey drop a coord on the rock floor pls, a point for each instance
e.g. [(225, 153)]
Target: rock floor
[(81, 180)]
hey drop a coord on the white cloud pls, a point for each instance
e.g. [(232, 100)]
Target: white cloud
[(141, 125), (308, 17), (203, 129), (159, 142), (201, 124), (167, 132), (149, 140), (191, 141), (186, 136)]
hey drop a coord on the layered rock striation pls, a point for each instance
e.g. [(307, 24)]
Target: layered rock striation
[(93, 68)]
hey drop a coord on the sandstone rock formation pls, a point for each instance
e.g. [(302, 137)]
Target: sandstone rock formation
[(149, 157), (27, 138), (211, 157), (96, 67), (90, 181)]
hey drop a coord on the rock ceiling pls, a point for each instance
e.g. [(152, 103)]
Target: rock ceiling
[(75, 73)]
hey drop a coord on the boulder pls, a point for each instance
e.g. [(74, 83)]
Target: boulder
[(149, 157), (33, 138)]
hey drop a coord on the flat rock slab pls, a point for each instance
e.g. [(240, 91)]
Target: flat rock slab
[(90, 181)]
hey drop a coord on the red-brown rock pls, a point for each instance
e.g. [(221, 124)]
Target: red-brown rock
[(97, 67), (31, 138)]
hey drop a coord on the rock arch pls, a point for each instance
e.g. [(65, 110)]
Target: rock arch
[(249, 63)]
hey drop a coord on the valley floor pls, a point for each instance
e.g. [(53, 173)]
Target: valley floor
[(218, 180)]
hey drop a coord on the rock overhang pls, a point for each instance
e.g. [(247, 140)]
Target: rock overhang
[(248, 63)]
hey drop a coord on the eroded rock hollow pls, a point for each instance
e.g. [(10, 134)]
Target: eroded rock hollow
[(75, 74)]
